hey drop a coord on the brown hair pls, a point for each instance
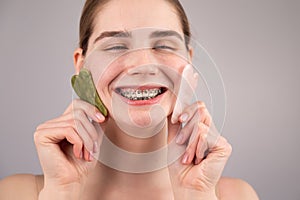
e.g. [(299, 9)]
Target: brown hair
[(92, 7)]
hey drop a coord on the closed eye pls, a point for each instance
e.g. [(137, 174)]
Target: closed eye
[(116, 48), (163, 47)]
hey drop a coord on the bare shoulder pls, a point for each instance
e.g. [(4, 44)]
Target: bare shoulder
[(21, 186), (233, 188)]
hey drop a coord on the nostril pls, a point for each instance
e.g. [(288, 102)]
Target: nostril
[(153, 73)]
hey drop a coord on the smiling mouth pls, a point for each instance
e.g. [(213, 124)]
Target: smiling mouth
[(140, 93)]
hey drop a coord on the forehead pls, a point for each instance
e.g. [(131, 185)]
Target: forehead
[(132, 14)]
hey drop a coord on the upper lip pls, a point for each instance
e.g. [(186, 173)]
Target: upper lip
[(141, 86)]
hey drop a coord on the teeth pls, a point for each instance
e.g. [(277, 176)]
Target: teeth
[(140, 94)]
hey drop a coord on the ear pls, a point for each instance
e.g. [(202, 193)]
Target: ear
[(78, 60), (190, 54)]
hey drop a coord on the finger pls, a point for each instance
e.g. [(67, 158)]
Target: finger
[(197, 144), (89, 109), (95, 116), (84, 135), (53, 136), (94, 155), (63, 122), (202, 148), (68, 109), (221, 150), (88, 127), (191, 148), (212, 136), (197, 109), (88, 143), (193, 114), (216, 159), (81, 124), (91, 131), (186, 132), (87, 155), (100, 133), (206, 175), (207, 140)]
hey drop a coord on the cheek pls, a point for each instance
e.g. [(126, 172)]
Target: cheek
[(173, 68)]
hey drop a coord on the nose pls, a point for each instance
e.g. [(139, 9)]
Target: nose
[(142, 62), (149, 69)]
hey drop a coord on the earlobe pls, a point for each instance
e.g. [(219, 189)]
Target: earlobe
[(78, 60)]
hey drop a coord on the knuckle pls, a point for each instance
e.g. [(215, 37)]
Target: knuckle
[(38, 132), (76, 101), (43, 125), (207, 114), (76, 122), (229, 148), (36, 136), (208, 121), (202, 128), (226, 146), (39, 127), (78, 104), (79, 114), (69, 132), (203, 112), (200, 104)]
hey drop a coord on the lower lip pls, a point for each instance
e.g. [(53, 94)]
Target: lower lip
[(142, 102)]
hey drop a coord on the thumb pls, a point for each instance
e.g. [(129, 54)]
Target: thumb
[(206, 175)]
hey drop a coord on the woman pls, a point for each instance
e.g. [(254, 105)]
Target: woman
[(69, 146)]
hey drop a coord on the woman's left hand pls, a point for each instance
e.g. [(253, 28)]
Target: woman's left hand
[(196, 174)]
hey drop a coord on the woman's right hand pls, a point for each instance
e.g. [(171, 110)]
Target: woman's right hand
[(66, 148)]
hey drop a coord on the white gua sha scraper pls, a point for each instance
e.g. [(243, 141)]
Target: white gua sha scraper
[(186, 91)]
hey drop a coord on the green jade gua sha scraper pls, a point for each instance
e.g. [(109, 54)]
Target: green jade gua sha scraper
[(84, 87)]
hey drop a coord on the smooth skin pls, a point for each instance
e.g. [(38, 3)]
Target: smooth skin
[(67, 155)]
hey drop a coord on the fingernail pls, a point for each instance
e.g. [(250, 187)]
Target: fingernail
[(185, 158), (196, 75), (184, 117), (95, 147), (91, 158), (198, 160), (100, 116), (173, 120), (179, 138)]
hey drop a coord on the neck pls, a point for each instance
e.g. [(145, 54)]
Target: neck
[(131, 163), (114, 184)]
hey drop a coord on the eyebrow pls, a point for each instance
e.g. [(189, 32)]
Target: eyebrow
[(168, 33), (118, 34), (124, 34)]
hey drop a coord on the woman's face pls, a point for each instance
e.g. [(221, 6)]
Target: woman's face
[(136, 55)]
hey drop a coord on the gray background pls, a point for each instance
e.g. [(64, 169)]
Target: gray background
[(254, 43)]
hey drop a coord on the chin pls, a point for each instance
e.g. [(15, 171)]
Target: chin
[(140, 118)]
